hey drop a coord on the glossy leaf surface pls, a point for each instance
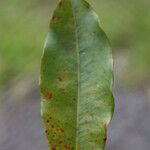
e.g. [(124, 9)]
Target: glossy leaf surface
[(76, 79)]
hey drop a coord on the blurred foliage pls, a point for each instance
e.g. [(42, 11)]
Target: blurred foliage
[(24, 25)]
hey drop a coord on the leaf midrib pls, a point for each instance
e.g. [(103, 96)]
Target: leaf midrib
[(78, 72)]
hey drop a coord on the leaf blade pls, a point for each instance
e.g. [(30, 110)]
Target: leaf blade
[(77, 93)]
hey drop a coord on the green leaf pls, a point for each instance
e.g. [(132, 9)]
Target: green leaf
[(76, 79)]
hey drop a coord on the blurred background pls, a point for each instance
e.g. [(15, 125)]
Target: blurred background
[(23, 28)]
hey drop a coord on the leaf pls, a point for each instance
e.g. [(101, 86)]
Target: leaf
[(76, 79)]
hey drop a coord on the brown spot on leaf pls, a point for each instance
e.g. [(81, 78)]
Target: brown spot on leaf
[(62, 89), (48, 121), (60, 3), (106, 126), (66, 146), (52, 126), (55, 18), (49, 95), (53, 148), (60, 142), (46, 131), (62, 130), (62, 78), (105, 139)]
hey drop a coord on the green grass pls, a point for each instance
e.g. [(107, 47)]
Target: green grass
[(24, 25)]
